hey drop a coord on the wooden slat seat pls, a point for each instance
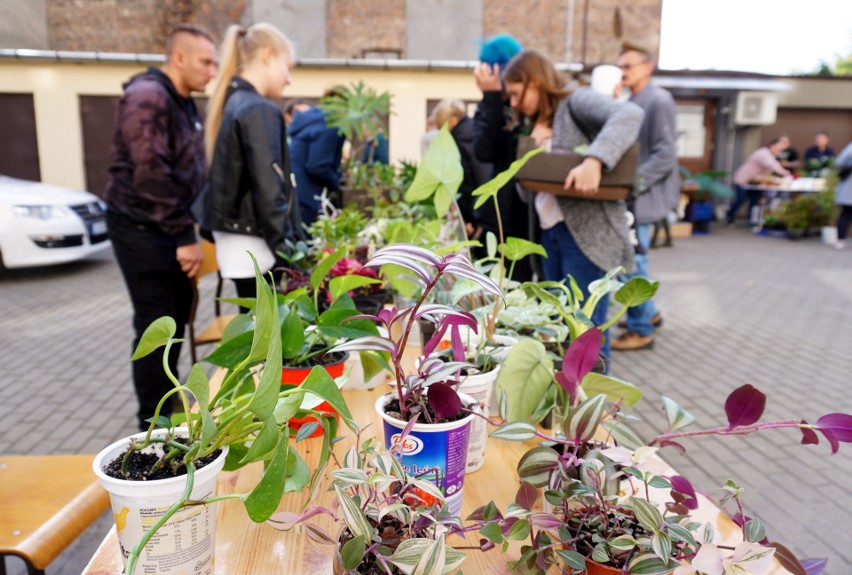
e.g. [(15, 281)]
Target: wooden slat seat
[(46, 502)]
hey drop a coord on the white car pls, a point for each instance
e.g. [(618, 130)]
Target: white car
[(41, 224)]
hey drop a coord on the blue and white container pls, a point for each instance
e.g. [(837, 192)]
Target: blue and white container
[(436, 452)]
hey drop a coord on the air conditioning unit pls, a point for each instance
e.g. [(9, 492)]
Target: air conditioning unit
[(756, 108)]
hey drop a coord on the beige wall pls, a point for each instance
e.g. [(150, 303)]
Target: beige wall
[(56, 87), (817, 93)]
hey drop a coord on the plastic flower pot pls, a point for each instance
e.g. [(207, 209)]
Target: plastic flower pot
[(481, 388), (185, 543), (296, 375), (434, 451)]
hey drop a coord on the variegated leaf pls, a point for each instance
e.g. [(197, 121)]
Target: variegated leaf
[(648, 564), (355, 519), (583, 421), (515, 431), (647, 515), (371, 342), (678, 416), (537, 464), (408, 250), (432, 560), (350, 476), (661, 544)]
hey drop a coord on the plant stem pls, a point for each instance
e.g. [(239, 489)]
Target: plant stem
[(738, 430), (187, 492)]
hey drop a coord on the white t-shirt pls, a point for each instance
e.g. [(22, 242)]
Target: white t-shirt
[(546, 205), (233, 259)]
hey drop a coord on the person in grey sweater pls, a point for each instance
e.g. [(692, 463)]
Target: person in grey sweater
[(584, 238), (657, 181)]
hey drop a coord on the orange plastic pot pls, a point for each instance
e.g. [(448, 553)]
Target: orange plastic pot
[(294, 376)]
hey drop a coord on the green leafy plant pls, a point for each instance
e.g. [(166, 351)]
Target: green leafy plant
[(249, 414), (707, 183), (310, 321), (615, 502), (388, 520), (356, 109)]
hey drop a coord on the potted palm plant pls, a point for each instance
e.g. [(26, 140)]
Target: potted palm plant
[(162, 482)]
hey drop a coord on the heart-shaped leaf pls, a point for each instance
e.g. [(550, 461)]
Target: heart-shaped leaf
[(155, 335), (745, 406), (444, 400), (526, 495)]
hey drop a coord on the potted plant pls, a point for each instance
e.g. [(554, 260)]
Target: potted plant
[(439, 436), (387, 520), (654, 523), (310, 320), (246, 420)]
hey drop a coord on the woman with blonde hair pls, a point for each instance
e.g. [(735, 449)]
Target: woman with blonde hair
[(250, 202), (584, 238)]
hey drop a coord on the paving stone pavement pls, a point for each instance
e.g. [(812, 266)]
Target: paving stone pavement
[(738, 308)]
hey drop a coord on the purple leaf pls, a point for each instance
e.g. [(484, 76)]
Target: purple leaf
[(684, 487), (814, 566), (545, 521), (744, 406), (580, 357), (444, 400), (840, 425), (809, 436), (386, 316), (456, 342), (526, 496), (566, 384), (788, 560), (675, 444)]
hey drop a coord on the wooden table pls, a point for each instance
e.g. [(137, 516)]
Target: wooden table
[(244, 547)]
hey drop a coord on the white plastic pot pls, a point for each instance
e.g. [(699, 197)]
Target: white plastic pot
[(481, 388), (185, 543)]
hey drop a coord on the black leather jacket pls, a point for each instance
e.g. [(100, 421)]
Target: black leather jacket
[(249, 188)]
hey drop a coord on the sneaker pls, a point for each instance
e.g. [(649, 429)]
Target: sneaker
[(839, 245), (629, 341), (656, 321)]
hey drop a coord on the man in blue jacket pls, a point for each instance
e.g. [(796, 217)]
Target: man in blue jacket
[(657, 180), (315, 153)]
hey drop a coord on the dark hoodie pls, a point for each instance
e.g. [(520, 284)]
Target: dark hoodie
[(475, 174), (156, 166), (315, 152)]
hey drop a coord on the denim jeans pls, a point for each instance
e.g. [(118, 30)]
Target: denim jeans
[(753, 197), (158, 287), (565, 258), (639, 317)]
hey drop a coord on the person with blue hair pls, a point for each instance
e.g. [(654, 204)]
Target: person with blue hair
[(499, 49), (494, 145)]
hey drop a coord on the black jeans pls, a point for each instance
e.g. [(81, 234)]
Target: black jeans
[(843, 222), (158, 287)]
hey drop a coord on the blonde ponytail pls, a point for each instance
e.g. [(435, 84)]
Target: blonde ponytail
[(228, 64)]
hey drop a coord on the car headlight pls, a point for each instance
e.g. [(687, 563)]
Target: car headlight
[(40, 212)]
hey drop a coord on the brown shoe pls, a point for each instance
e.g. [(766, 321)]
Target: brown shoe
[(656, 321), (629, 341)]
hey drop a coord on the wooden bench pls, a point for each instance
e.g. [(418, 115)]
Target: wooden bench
[(46, 502)]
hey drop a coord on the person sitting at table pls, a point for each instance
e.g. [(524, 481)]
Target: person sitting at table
[(761, 162), (789, 157), (818, 156)]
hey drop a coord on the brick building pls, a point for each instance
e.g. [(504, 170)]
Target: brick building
[(567, 30)]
